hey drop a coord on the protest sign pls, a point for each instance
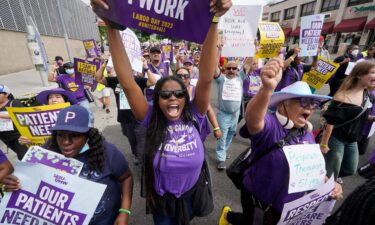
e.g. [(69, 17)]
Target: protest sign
[(232, 89), (239, 28), (6, 124), (133, 49), (36, 154), (318, 76), (91, 48), (166, 52), (350, 67), (35, 122), (85, 71), (306, 167), (176, 18), (49, 196), (124, 103), (311, 209), (311, 27), (271, 39)]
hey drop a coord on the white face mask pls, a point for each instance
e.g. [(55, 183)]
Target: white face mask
[(69, 71), (355, 52)]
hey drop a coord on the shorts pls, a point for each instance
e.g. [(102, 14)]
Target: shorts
[(106, 92)]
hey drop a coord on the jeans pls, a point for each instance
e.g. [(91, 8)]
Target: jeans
[(136, 134), (342, 159), (86, 104), (228, 126), (170, 220)]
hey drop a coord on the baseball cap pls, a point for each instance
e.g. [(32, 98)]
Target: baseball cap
[(72, 118), (321, 38), (188, 61), (155, 49), (68, 65), (4, 89)]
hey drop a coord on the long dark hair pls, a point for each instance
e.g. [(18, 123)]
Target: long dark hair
[(157, 129), (96, 158)]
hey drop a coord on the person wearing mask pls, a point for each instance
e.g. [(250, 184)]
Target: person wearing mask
[(10, 137), (336, 80), (70, 83), (103, 163)]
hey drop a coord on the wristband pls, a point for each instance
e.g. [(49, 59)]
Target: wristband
[(2, 188), (125, 211), (216, 128), (215, 20), (323, 145)]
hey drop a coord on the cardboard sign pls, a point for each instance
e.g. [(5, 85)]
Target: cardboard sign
[(91, 48), (318, 76), (232, 89), (271, 39), (86, 71), (311, 27), (133, 49)]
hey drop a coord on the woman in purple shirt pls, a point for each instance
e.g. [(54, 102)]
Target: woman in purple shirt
[(174, 147), (265, 184)]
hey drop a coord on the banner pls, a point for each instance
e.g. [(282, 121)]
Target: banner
[(181, 19), (35, 122), (311, 27), (36, 154), (86, 71), (239, 29), (311, 209), (48, 197), (91, 48), (271, 39), (133, 49), (318, 76)]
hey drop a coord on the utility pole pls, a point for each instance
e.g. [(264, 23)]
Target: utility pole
[(64, 29)]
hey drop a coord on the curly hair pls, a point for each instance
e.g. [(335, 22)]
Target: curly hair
[(96, 157)]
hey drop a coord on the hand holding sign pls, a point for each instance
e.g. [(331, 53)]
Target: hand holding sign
[(11, 183)]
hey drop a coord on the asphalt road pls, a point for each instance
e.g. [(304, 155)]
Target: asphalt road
[(224, 191)]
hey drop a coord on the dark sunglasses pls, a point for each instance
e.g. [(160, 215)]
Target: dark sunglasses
[(232, 68), (309, 102), (168, 94), (183, 76)]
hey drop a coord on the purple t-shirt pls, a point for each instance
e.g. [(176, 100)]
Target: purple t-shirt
[(252, 83), (290, 75), (268, 179), (161, 69), (3, 157), (182, 158), (73, 85)]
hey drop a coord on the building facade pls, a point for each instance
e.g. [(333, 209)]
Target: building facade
[(346, 21)]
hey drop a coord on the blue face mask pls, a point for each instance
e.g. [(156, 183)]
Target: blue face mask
[(84, 148)]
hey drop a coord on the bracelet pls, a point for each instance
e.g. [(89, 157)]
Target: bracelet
[(215, 20), (2, 188), (216, 128), (323, 145), (125, 211)]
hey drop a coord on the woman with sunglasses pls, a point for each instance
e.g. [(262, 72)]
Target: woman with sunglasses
[(174, 146), (265, 184)]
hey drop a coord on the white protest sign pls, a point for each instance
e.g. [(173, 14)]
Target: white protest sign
[(157, 77), (312, 209), (110, 62), (306, 167), (194, 81), (350, 67), (124, 103), (232, 89), (133, 48), (6, 124), (49, 196), (372, 130), (311, 27), (239, 28)]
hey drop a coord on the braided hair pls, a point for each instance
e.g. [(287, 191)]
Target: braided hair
[(358, 208), (96, 157)]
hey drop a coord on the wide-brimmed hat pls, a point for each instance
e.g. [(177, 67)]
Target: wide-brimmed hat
[(299, 89), (73, 118), (42, 97)]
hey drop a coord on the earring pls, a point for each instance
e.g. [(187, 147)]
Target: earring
[(284, 121)]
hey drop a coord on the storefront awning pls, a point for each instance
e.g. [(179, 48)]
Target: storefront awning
[(295, 32), (287, 31), (328, 27), (371, 24), (351, 25)]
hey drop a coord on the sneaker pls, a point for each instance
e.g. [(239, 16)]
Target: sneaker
[(221, 166), (107, 111), (224, 212), (103, 106)]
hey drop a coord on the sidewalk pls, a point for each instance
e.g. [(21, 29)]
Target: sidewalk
[(29, 81)]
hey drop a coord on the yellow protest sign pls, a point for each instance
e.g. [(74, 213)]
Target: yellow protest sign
[(35, 122), (89, 44), (86, 68), (271, 39), (318, 76)]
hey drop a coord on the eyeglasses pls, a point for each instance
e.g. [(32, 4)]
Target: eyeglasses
[(183, 75), (232, 68), (309, 102), (167, 94)]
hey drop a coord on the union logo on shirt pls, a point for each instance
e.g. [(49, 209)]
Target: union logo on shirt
[(73, 86)]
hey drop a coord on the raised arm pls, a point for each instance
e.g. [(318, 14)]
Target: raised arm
[(257, 107), (122, 66), (99, 75)]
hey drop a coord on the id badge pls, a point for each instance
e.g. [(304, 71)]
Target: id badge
[(258, 217)]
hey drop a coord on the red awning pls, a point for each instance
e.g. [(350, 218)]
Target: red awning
[(351, 25), (328, 27), (371, 24), (287, 31), (295, 32)]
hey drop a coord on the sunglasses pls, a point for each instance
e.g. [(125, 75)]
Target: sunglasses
[(309, 102), (232, 68), (183, 76), (167, 94)]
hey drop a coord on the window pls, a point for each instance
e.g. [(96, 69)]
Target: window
[(289, 13), (275, 17), (357, 2), (308, 9), (329, 5)]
